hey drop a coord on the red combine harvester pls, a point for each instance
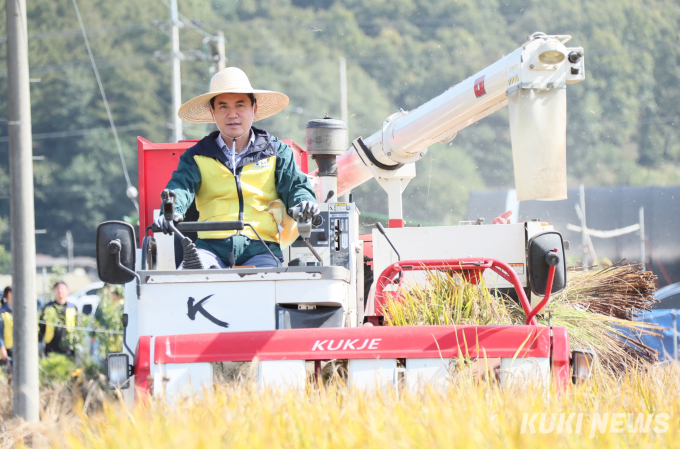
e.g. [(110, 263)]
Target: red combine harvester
[(322, 306)]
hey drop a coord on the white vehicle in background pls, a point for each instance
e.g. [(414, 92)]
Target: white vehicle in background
[(87, 299)]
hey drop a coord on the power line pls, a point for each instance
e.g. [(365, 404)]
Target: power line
[(361, 58), (70, 33), (78, 328), (82, 132), (190, 23), (85, 65), (106, 104)]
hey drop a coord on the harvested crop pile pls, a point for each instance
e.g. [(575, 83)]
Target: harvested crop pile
[(597, 308)]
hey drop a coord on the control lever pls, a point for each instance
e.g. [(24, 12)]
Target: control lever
[(330, 195), (304, 224), (382, 231), (191, 259), (168, 197)]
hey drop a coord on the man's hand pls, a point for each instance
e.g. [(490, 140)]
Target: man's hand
[(3, 353), (308, 208), (503, 218), (165, 227)]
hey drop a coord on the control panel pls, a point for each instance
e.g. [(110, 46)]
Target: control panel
[(320, 233), (334, 236)]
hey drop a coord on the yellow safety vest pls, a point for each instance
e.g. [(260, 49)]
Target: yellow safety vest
[(8, 321), (218, 197), (53, 317)]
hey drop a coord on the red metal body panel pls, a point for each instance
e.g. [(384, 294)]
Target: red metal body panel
[(157, 161), (356, 343), (397, 223), (561, 353), (300, 154), (470, 266), (143, 368)]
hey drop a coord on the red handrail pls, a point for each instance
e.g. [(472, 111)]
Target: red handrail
[(475, 267)]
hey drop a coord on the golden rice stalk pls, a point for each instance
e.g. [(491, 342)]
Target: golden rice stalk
[(447, 299), (469, 414), (596, 307)]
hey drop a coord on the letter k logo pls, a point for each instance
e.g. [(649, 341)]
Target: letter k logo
[(198, 307)]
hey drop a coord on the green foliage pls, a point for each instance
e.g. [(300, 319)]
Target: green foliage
[(621, 119), (56, 369), (5, 254), (5, 261), (109, 316)]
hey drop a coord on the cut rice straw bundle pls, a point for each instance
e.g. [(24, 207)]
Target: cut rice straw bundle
[(596, 307), (447, 299)]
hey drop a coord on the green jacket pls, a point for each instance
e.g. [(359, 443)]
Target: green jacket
[(292, 186)]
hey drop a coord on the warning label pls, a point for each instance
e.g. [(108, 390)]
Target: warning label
[(479, 87), (517, 267), (513, 75)]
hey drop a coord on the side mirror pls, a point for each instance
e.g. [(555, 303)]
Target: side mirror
[(541, 255), (116, 252)]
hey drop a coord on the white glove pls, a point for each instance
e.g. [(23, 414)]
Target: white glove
[(163, 224)]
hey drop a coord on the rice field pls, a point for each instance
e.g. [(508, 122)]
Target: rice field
[(640, 409), (633, 403)]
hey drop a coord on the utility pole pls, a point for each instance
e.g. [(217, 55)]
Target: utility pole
[(176, 75), (22, 215), (643, 256), (584, 234), (343, 108), (343, 92), (221, 51), (69, 250)]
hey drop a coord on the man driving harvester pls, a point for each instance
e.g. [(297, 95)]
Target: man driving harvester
[(238, 173)]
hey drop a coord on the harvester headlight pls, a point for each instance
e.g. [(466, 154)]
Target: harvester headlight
[(118, 370), (551, 57), (582, 361)]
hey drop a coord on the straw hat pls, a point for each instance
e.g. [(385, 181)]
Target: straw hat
[(232, 80)]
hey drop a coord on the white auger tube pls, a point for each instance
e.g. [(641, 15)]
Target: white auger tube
[(539, 70)]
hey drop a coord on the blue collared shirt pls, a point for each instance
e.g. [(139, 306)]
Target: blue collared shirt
[(233, 156)]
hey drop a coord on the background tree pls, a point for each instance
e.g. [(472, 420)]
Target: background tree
[(622, 121)]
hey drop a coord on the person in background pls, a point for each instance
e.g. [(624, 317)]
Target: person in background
[(6, 326), (58, 317)]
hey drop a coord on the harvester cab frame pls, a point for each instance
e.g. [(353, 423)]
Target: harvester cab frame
[(316, 309)]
